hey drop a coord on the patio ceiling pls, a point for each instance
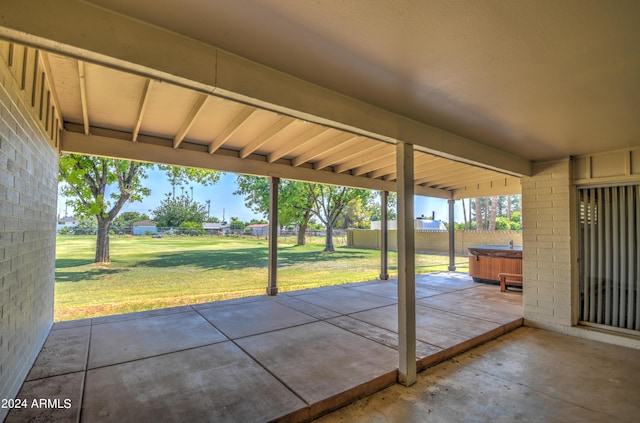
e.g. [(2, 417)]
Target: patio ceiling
[(120, 114), (491, 85)]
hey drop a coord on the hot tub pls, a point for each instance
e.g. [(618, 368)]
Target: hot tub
[(487, 261)]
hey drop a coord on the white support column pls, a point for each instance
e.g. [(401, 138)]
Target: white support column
[(384, 240), (452, 237), (406, 266), (272, 288)]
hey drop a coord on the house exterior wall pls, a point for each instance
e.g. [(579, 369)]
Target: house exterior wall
[(546, 251), (549, 258), (28, 195)]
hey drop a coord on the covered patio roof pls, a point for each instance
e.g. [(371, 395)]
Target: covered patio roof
[(120, 114), (134, 90)]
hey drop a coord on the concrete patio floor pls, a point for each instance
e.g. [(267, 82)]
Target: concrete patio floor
[(291, 357), (528, 375)]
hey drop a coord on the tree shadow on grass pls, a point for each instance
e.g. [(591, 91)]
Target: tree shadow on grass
[(88, 275), (71, 262), (245, 258)]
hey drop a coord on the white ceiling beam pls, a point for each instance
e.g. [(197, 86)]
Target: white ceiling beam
[(420, 159), (263, 138), (349, 150), (371, 166), (96, 34), (158, 150), (326, 147), (190, 119), (231, 128), (500, 186), (383, 150), (44, 58), (465, 181), (83, 96), (146, 92), (435, 176), (304, 138), (442, 165), (387, 170)]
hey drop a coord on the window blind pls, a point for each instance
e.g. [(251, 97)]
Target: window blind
[(609, 230)]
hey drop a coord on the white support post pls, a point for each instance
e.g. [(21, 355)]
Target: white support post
[(272, 288), (452, 237), (406, 265), (384, 240)]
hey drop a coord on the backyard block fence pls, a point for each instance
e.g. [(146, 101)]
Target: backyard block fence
[(435, 241)]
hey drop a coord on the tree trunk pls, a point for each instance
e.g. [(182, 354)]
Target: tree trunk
[(329, 240), (479, 218), (102, 242), (302, 228), (464, 213), (509, 207), (493, 214)]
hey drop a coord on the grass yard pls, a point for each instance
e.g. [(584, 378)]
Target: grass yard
[(149, 273)]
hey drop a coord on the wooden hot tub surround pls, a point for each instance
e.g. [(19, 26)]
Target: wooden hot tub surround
[(486, 262)]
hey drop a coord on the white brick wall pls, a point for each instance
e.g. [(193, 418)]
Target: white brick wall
[(28, 193), (546, 221)]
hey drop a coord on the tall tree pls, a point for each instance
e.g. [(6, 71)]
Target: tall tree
[(174, 211), (464, 212), (179, 176), (479, 218), (294, 203), (86, 182), (329, 202), (374, 206), (98, 187)]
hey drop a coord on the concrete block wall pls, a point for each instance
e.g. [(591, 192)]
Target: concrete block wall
[(548, 263), (435, 241), (547, 245), (28, 195)]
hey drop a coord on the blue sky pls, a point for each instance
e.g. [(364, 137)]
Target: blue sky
[(224, 202)]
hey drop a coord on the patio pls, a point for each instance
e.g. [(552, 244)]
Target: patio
[(293, 357)]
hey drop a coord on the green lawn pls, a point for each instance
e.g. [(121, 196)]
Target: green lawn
[(149, 273)]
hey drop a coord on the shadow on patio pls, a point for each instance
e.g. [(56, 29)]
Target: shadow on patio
[(293, 357)]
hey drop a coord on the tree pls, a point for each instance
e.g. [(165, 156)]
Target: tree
[(87, 225), (236, 224), (479, 218), (191, 228), (87, 180), (493, 213), (179, 176), (500, 213), (173, 211), (294, 203), (329, 202), (464, 213), (374, 207)]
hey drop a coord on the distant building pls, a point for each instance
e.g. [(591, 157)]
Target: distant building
[(143, 227), (215, 228), (258, 229), (66, 222), (429, 225)]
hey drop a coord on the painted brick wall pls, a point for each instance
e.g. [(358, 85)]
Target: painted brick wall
[(546, 219), (433, 241), (28, 195)]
